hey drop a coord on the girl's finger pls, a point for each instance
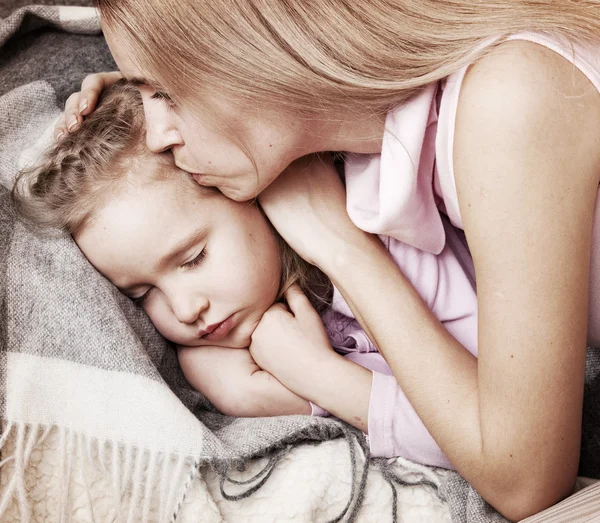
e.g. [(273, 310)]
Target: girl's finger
[(297, 300)]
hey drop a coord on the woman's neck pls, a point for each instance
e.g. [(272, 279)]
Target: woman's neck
[(350, 132)]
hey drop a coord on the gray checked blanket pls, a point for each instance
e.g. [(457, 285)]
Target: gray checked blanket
[(82, 367)]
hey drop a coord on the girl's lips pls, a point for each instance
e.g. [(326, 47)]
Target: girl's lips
[(219, 331)]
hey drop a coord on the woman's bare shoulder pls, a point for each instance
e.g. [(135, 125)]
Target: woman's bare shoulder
[(528, 75), (522, 96)]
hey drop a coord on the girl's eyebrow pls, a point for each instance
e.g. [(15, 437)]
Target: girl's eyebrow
[(138, 80)]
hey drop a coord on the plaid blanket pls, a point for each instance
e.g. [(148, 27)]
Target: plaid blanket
[(80, 363)]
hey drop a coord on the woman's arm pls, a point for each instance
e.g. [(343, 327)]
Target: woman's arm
[(527, 160)]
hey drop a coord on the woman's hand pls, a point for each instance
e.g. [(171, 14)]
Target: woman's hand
[(83, 102), (307, 206)]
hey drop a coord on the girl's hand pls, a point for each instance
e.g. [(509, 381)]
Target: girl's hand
[(291, 343), (293, 346), (82, 103), (307, 206)]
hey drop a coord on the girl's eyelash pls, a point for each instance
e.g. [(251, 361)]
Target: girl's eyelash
[(141, 299), (196, 261), (159, 95)]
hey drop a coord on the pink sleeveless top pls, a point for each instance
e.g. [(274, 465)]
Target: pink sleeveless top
[(400, 192)]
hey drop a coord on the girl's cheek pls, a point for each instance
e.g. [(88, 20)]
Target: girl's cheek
[(157, 313)]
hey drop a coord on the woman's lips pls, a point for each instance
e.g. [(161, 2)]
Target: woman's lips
[(204, 180), (218, 331)]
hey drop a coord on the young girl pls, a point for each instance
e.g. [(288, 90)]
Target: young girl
[(209, 273), (491, 114)]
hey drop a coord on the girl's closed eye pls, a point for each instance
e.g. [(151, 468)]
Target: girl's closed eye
[(140, 300), (196, 261)]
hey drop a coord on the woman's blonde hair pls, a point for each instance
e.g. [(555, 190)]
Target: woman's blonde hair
[(76, 176), (318, 57)]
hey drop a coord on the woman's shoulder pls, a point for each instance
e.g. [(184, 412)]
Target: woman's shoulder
[(517, 85), (526, 88), (526, 72), (524, 106)]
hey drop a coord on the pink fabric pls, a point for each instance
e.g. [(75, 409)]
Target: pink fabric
[(398, 194), (390, 193)]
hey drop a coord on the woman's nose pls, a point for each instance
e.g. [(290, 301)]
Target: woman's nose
[(160, 137), (161, 133)]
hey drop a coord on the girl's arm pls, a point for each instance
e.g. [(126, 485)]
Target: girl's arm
[(527, 160), (357, 388), (235, 385)]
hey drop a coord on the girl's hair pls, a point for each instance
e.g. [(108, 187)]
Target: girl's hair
[(76, 175), (80, 173), (319, 57)]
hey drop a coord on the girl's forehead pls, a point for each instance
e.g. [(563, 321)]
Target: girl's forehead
[(144, 167), (158, 186)]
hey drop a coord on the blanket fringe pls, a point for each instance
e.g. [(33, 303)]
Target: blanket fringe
[(357, 490), (149, 486), (415, 475), (358, 451), (141, 485)]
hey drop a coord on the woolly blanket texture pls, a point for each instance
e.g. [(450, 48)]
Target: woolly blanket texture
[(98, 422)]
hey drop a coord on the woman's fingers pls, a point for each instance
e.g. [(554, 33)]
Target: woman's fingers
[(82, 103), (69, 119), (91, 87), (60, 128), (72, 117)]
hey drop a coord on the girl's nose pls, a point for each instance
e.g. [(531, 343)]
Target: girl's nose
[(188, 309)]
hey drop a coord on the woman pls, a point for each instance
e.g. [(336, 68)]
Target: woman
[(497, 128)]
